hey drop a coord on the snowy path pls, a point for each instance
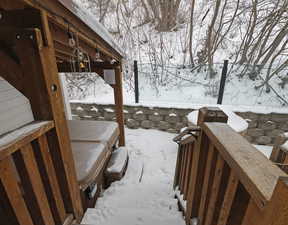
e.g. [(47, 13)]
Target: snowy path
[(129, 202)]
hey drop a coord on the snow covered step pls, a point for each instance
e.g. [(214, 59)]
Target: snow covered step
[(130, 216), (117, 165)]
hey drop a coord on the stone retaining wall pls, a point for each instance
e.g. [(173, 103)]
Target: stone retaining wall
[(263, 128)]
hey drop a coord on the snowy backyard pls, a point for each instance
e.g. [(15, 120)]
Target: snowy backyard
[(145, 195)]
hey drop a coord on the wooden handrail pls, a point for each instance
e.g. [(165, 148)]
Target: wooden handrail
[(16, 139), (258, 174)]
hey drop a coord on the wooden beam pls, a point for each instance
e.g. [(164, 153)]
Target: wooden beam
[(118, 98), (96, 67), (88, 39)]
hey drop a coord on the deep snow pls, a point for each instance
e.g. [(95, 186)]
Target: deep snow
[(150, 201)]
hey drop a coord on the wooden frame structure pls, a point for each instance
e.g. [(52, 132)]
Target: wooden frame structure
[(34, 38), (224, 180)]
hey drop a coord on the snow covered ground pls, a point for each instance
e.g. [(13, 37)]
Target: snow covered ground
[(172, 96), (147, 199)]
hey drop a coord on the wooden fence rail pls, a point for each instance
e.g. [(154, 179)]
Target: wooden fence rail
[(229, 181), (29, 190)]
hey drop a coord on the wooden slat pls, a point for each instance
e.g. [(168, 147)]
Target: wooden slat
[(23, 136), (35, 196), (49, 179), (185, 169), (228, 199), (9, 181), (182, 169), (188, 168), (215, 190), (197, 177), (208, 178), (177, 168), (254, 170)]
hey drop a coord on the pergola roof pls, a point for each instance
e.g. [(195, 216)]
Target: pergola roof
[(64, 16), (90, 21)]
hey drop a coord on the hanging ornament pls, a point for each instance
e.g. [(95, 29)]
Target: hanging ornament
[(71, 40), (113, 61), (97, 55), (82, 65), (80, 55)]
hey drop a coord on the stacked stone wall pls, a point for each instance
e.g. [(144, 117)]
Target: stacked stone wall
[(263, 128)]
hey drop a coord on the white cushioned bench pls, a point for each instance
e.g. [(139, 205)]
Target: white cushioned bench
[(89, 160), (105, 132), (92, 144)]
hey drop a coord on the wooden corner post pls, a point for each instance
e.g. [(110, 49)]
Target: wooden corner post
[(118, 98), (279, 204), (206, 114)]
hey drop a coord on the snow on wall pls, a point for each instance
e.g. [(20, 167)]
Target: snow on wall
[(263, 128), (234, 121), (15, 109)]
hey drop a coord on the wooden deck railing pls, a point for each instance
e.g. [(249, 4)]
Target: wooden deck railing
[(230, 182), (29, 191), (186, 141), (280, 154)]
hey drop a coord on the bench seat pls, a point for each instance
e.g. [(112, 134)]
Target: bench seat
[(90, 158), (97, 131)]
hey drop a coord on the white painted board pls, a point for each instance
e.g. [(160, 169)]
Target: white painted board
[(109, 76), (15, 109)]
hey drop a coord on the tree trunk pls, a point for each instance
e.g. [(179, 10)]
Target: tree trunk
[(165, 13)]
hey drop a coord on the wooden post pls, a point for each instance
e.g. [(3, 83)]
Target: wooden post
[(278, 210), (209, 114), (118, 98)]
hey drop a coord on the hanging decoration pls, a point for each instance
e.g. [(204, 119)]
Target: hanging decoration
[(80, 60), (98, 56), (71, 40)]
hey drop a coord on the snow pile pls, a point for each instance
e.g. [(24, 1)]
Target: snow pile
[(149, 201), (118, 160), (265, 150), (236, 122)]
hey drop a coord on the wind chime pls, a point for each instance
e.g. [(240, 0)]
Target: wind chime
[(79, 60)]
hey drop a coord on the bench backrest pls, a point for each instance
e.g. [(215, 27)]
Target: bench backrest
[(15, 109)]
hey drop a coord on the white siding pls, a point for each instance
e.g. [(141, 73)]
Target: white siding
[(15, 109), (65, 95)]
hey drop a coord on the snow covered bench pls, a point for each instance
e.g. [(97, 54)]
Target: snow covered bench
[(105, 132), (92, 145)]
